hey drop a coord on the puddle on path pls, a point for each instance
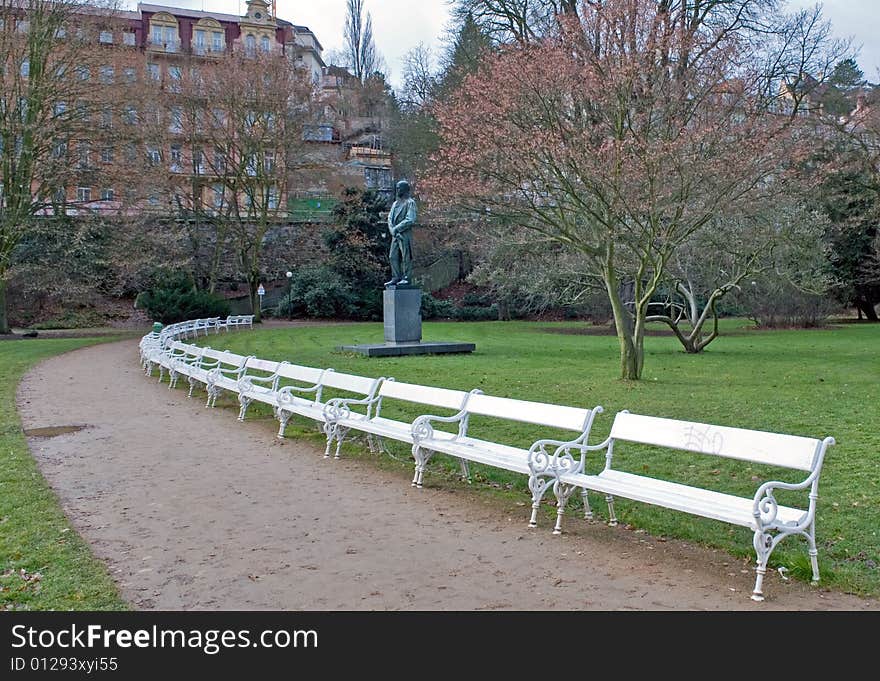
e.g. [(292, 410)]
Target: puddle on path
[(53, 431)]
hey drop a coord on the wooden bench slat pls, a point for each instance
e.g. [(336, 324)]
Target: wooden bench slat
[(788, 451), (538, 413), (411, 392)]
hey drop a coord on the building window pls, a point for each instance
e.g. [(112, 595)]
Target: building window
[(250, 45), (200, 41), (82, 111), (60, 149), (83, 194), (83, 73), (105, 37), (59, 195), (128, 39), (217, 198), (156, 35), (176, 158), (107, 155), (265, 45), (176, 116), (174, 75), (218, 118), (154, 156), (153, 71), (198, 162), (107, 117), (272, 199), (170, 39), (106, 74), (60, 109), (130, 115), (25, 68), (217, 41), (130, 75), (107, 194), (219, 161), (153, 200), (82, 154), (251, 166), (377, 178)]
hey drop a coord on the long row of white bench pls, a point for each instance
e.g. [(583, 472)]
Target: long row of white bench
[(557, 463)]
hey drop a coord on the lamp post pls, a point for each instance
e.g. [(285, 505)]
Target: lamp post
[(289, 276)]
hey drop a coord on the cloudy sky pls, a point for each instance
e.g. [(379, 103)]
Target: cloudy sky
[(400, 25)]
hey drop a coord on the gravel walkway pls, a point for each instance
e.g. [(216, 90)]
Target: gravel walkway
[(192, 510)]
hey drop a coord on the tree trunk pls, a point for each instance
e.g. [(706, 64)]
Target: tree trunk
[(4, 319), (865, 307), (253, 284), (629, 335)]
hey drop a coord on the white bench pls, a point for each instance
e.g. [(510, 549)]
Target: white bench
[(340, 418), (235, 321), (770, 521), (291, 401), (268, 389), (536, 461)]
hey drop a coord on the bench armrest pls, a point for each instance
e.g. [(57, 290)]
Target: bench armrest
[(765, 507), (560, 460), (340, 408), (285, 394), (422, 429)]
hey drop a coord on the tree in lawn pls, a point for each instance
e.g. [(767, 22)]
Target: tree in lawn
[(60, 93), (716, 262), (624, 135), (252, 150)]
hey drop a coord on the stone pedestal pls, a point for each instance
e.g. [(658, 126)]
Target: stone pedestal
[(403, 316), (403, 329)]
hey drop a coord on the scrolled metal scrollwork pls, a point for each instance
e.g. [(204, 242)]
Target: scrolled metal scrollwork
[(768, 509), (422, 430), (540, 461)]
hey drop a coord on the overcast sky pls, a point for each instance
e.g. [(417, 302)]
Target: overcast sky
[(400, 25)]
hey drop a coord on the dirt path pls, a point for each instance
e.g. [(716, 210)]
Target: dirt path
[(192, 510)]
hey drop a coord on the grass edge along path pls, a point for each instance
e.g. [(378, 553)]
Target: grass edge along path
[(44, 563), (811, 382)]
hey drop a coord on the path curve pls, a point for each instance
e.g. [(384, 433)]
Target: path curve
[(192, 510)]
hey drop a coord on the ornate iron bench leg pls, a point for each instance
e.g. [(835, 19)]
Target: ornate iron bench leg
[(612, 518)]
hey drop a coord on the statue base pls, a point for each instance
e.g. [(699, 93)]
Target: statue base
[(403, 329)]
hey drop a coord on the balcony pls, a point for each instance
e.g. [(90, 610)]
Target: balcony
[(208, 50), (169, 47)]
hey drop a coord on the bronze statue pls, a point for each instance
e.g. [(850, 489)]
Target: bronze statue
[(401, 220)]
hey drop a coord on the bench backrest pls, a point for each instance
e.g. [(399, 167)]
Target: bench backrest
[(225, 357), (421, 394), (787, 451), (300, 374), (538, 413), (350, 382), (262, 365)]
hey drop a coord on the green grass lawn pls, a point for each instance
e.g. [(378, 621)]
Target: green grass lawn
[(44, 564), (813, 383)]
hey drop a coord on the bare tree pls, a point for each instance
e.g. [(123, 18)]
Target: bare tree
[(244, 150), (363, 58), (419, 78), (624, 136), (61, 104)]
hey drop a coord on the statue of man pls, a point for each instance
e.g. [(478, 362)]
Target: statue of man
[(401, 220)]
